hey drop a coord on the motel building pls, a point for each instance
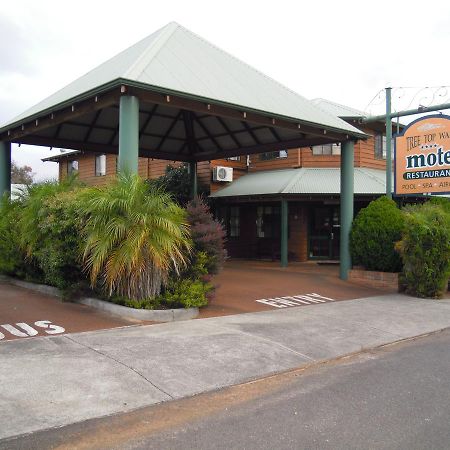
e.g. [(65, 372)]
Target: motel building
[(248, 189), (286, 174)]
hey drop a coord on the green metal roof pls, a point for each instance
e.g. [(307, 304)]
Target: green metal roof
[(177, 60), (304, 181), (337, 109), (61, 155)]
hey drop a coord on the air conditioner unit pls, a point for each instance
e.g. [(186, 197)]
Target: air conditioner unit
[(223, 173)]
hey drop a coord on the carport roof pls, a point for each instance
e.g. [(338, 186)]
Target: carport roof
[(337, 109), (304, 181), (175, 74)]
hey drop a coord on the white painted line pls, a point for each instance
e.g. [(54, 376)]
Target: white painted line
[(271, 303), (310, 299), (321, 296), (295, 300), (301, 300), (287, 302), (23, 330)]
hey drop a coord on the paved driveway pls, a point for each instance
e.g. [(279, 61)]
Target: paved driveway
[(251, 286), (24, 314), (243, 286)]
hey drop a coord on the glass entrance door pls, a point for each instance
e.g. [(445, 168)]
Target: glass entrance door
[(324, 232)]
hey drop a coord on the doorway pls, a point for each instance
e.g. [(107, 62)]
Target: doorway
[(324, 232)]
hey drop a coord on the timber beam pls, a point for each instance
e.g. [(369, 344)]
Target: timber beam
[(175, 101), (69, 113)]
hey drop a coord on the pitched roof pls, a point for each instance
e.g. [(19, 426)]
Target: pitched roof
[(337, 109), (61, 155), (305, 180), (177, 60)]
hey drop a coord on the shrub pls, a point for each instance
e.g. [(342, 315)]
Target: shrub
[(425, 250), (58, 252), (442, 202), (146, 303), (208, 235), (186, 293), (374, 233), (49, 225), (12, 258), (176, 181), (134, 236)]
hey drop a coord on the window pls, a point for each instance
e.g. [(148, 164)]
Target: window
[(100, 165), (327, 149), (230, 217), (234, 158), (72, 167), (268, 221), (380, 146), (273, 155), (234, 229)]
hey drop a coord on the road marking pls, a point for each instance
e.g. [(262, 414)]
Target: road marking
[(23, 330), (295, 300)]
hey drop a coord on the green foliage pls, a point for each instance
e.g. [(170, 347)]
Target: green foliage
[(130, 237), (145, 303), (134, 236), (374, 233), (187, 290), (12, 258), (176, 181), (58, 252), (191, 288), (442, 202), (425, 250), (208, 235), (186, 293), (50, 227)]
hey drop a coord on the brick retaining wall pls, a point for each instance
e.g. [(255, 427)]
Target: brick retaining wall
[(374, 279)]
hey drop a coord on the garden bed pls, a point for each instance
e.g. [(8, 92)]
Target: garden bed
[(154, 315)]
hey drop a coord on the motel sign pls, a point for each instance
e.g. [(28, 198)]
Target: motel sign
[(422, 157)]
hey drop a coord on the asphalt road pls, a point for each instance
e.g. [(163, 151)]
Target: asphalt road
[(397, 397)]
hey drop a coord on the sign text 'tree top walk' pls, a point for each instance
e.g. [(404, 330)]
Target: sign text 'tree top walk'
[(422, 157)]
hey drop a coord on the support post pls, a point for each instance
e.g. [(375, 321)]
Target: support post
[(284, 232), (5, 168), (193, 178), (388, 143), (347, 184), (128, 134)]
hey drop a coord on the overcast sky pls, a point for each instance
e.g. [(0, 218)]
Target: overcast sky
[(344, 51)]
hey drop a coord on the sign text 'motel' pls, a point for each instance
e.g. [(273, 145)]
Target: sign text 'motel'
[(422, 157)]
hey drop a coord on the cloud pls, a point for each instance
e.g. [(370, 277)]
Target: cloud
[(14, 51)]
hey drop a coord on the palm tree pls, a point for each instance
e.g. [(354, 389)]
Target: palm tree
[(135, 235)]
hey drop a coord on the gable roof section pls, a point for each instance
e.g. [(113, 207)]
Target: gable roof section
[(305, 180), (176, 60)]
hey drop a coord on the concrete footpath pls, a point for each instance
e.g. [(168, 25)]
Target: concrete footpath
[(48, 382)]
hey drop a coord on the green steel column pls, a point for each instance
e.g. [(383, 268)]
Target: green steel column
[(193, 178), (128, 134), (284, 232), (347, 174), (388, 143), (5, 167)]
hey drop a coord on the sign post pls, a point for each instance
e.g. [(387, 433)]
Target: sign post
[(422, 157)]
